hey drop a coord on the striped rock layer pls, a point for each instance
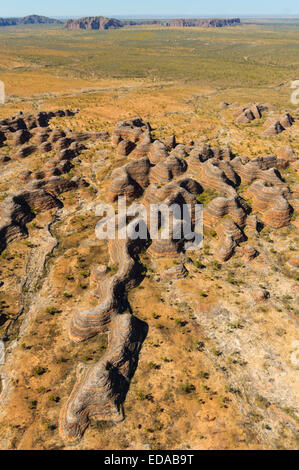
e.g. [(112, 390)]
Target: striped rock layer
[(214, 169), (249, 113), (155, 171), (30, 133), (17, 210), (276, 126), (101, 389), (271, 203)]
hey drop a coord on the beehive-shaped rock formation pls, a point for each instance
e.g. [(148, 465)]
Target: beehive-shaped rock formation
[(132, 131), (130, 180), (271, 203), (168, 169), (229, 235), (16, 211), (220, 207), (101, 389)]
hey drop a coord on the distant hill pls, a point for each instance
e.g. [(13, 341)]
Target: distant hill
[(205, 23), (94, 22), (31, 19), (101, 22)]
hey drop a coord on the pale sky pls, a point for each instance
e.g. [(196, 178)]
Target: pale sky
[(149, 8)]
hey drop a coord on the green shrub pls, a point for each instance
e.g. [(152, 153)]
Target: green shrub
[(187, 388)]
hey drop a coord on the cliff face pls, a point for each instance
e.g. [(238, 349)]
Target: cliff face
[(100, 22), (94, 22), (204, 23), (31, 19)]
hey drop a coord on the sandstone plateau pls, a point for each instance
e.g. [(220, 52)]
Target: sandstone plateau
[(102, 23)]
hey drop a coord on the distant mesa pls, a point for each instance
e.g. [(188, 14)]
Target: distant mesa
[(102, 23), (31, 19), (204, 22), (94, 22)]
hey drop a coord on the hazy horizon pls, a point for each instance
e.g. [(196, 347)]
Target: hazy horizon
[(158, 16)]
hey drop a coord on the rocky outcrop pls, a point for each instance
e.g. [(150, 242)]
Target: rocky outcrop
[(252, 223), (133, 138), (221, 207), (130, 180), (94, 22), (265, 168), (286, 120), (62, 143), (173, 195), (179, 151), (271, 203), (276, 126), (83, 136), (133, 131), (16, 211), (100, 390), (31, 19), (157, 152), (25, 151), (113, 290), (212, 176), (125, 147), (31, 133), (204, 23), (259, 294), (39, 121), (40, 138), (57, 184), (230, 236), (39, 195), (155, 172), (249, 113), (247, 252), (56, 135), (168, 169), (178, 271), (52, 170), (45, 147), (20, 137), (204, 152), (103, 23)]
